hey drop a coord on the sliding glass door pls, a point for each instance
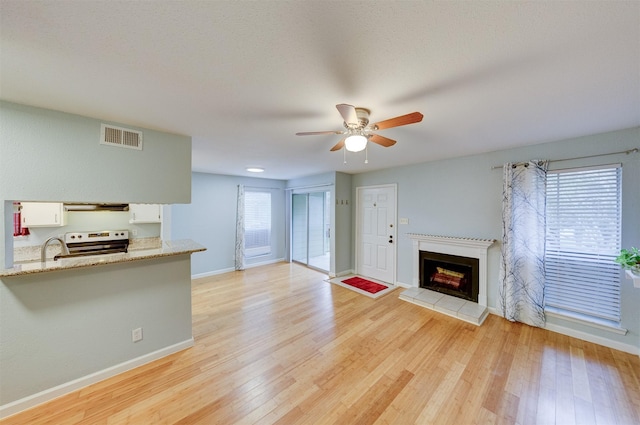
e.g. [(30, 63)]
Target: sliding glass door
[(311, 229), (299, 226)]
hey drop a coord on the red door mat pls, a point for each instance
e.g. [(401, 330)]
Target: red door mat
[(364, 284)]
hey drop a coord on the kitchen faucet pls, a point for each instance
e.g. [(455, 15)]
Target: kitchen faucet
[(43, 251)]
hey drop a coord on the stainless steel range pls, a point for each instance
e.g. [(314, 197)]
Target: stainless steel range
[(95, 243)]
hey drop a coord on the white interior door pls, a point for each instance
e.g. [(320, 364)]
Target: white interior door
[(376, 232)]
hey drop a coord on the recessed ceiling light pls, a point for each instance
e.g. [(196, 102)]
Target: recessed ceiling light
[(255, 170)]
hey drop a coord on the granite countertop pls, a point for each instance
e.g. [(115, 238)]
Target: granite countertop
[(167, 248)]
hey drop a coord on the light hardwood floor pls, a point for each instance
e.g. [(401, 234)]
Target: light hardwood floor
[(280, 345)]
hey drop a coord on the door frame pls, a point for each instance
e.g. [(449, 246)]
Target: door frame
[(359, 190)]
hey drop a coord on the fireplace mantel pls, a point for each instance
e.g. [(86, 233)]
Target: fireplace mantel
[(465, 247)]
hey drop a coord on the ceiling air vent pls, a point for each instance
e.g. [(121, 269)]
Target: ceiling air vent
[(121, 137)]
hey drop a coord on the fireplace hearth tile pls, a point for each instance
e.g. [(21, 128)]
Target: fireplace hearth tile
[(412, 292), (452, 306), (472, 312), (449, 304), (429, 297)]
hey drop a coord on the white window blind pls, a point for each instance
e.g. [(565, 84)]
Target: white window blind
[(582, 240), (257, 223)]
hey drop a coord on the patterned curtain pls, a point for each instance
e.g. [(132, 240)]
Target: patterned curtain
[(521, 289), (239, 257)]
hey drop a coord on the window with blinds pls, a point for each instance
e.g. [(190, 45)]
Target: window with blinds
[(257, 223), (582, 240)]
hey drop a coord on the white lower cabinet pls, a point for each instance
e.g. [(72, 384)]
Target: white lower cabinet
[(43, 214), (145, 213)]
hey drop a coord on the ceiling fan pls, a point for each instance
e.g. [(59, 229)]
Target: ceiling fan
[(358, 131)]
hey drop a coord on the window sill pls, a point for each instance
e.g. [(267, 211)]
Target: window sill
[(257, 252), (593, 322), (635, 277)]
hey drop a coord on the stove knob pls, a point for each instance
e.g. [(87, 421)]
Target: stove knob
[(79, 236), (73, 236)]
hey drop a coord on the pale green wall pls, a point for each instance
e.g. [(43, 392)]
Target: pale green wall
[(462, 197), (48, 155), (211, 220), (343, 224), (53, 156), (60, 326)]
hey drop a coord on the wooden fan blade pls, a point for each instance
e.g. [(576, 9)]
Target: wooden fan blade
[(315, 133), (348, 113), (338, 146), (411, 118), (381, 140)]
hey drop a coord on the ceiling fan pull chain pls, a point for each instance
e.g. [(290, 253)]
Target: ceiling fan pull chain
[(344, 152), (366, 154)]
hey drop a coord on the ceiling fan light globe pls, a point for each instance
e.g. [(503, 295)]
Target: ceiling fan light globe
[(355, 143)]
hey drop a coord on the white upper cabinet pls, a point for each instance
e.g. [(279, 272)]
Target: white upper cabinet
[(145, 213), (43, 214)]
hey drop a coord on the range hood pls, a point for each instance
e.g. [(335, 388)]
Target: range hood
[(96, 207)]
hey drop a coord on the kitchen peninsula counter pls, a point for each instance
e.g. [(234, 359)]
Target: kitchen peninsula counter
[(167, 248)]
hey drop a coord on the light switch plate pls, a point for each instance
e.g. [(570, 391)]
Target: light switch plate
[(404, 221)]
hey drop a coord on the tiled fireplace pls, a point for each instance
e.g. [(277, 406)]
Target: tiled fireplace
[(450, 276)]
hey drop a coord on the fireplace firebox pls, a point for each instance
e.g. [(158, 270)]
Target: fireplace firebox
[(450, 274)]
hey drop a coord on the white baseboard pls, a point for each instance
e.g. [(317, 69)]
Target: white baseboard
[(593, 338), (231, 269), (68, 387), (494, 311), (344, 273), (606, 342), (264, 263), (403, 285), (212, 273)]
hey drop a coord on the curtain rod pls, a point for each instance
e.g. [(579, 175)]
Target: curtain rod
[(262, 187), (627, 152), (310, 187)]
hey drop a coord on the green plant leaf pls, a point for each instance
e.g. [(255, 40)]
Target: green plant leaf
[(629, 258)]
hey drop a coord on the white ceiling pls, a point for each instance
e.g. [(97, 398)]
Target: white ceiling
[(242, 78)]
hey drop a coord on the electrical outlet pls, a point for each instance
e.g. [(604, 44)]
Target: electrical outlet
[(136, 335), (404, 221), (134, 232)]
